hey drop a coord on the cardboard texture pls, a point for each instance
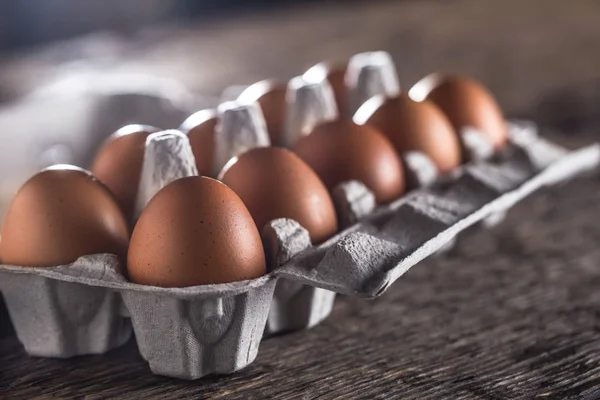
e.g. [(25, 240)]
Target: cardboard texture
[(190, 338), (192, 332), (294, 305), (88, 307), (61, 317)]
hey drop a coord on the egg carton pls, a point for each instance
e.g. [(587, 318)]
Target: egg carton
[(88, 307), (310, 101), (5, 326), (296, 301)]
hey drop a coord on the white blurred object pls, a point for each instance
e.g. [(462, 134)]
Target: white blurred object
[(241, 127), (370, 74), (168, 156), (66, 120), (478, 146), (308, 105)]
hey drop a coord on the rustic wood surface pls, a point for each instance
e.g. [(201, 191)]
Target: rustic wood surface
[(512, 312)]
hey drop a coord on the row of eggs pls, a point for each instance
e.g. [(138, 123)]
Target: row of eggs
[(198, 230)]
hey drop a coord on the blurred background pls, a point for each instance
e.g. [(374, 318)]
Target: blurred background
[(519, 49), (37, 21), (163, 30), (513, 46)]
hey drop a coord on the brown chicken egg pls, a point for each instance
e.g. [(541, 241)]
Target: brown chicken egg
[(270, 95), (200, 128), (118, 164), (335, 74), (411, 126), (59, 215), (466, 103), (341, 150), (195, 231), (275, 183)]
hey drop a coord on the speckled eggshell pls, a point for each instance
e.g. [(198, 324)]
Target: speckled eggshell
[(467, 103), (118, 164), (341, 150), (200, 128), (59, 215), (195, 231), (275, 183), (271, 97), (420, 126)]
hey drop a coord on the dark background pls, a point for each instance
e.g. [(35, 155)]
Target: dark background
[(24, 23)]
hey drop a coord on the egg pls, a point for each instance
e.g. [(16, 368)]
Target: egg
[(341, 150), (59, 215), (271, 96), (118, 164), (195, 231), (200, 128), (414, 126), (275, 183), (466, 103)]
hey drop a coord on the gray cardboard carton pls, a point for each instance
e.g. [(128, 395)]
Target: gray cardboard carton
[(181, 332), (56, 314), (192, 336), (192, 332), (188, 333), (369, 256), (88, 307), (294, 305)]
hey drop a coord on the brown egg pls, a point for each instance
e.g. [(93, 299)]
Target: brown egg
[(341, 150), (200, 128), (275, 183), (57, 216), (411, 125), (195, 231), (270, 95), (467, 103), (118, 164)]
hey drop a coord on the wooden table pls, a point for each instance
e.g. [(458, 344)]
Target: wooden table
[(512, 312)]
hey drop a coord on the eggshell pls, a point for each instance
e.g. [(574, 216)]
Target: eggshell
[(271, 96), (341, 150), (275, 183), (467, 103), (59, 215), (195, 231), (412, 125), (200, 128), (118, 164)]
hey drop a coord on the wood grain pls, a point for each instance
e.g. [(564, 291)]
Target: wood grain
[(511, 313)]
